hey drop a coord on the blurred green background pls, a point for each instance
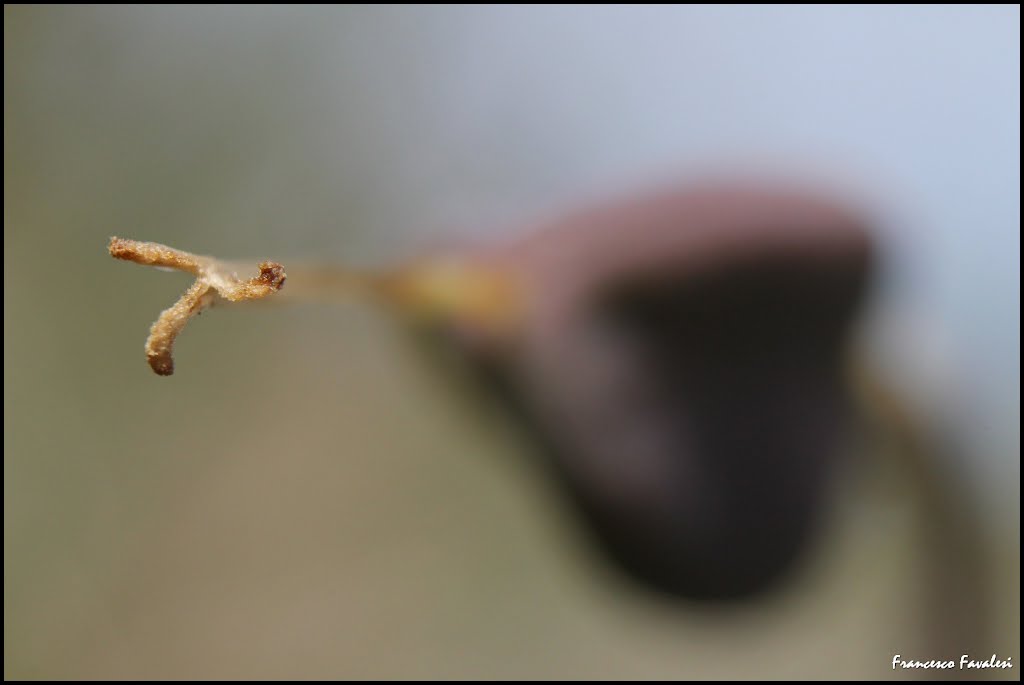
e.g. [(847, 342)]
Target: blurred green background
[(306, 497)]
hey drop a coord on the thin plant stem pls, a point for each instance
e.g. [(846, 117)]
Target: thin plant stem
[(485, 296)]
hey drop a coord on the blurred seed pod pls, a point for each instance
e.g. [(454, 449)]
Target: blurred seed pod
[(678, 359)]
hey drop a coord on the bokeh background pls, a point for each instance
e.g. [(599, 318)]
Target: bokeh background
[(308, 497)]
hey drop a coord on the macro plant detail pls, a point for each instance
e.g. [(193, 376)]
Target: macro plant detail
[(488, 297), (682, 362), (214, 278)]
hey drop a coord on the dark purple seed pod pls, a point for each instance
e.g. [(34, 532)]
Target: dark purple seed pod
[(680, 366)]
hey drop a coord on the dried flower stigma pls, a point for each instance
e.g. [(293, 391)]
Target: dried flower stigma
[(213, 278), (483, 297)]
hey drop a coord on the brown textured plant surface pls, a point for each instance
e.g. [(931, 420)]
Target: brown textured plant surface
[(213, 278), (479, 295)]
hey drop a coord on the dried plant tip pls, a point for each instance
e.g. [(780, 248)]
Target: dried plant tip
[(270, 280), (213, 278), (154, 254), (160, 344), (485, 298)]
